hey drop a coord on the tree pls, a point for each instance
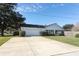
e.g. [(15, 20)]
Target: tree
[(68, 27), (16, 20), (76, 27), (9, 17)]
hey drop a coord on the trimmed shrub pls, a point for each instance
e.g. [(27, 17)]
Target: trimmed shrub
[(16, 33), (22, 33), (77, 35), (62, 34), (50, 34), (44, 33), (59, 34)]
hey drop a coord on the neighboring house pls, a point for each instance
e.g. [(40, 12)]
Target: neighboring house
[(73, 31), (34, 30)]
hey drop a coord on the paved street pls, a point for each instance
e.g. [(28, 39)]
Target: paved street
[(36, 46)]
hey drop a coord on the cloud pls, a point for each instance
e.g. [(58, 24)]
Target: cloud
[(29, 8), (57, 4), (61, 4)]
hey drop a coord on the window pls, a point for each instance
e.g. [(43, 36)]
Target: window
[(50, 31), (58, 31)]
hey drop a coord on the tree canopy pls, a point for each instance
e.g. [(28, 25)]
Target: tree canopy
[(9, 17), (68, 27), (76, 27)]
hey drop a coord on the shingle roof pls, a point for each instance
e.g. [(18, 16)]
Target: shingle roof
[(39, 26), (32, 25)]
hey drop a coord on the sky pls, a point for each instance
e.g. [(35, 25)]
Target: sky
[(49, 13)]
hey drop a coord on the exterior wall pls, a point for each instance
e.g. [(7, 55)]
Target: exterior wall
[(53, 28), (32, 31)]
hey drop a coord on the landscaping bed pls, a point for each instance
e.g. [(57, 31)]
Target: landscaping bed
[(64, 39)]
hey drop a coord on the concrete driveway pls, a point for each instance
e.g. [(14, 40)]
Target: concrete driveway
[(36, 46)]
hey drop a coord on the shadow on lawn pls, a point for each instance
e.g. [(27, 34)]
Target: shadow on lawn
[(7, 36)]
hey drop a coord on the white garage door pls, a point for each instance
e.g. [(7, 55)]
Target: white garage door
[(32, 31)]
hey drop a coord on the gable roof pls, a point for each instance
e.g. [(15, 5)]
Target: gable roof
[(32, 25), (55, 26)]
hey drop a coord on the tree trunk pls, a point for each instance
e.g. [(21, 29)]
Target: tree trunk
[(2, 32)]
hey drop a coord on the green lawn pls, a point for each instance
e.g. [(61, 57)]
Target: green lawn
[(4, 39), (69, 40)]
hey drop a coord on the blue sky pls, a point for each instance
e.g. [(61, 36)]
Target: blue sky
[(48, 13)]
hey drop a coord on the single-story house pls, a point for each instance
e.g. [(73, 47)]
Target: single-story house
[(34, 30)]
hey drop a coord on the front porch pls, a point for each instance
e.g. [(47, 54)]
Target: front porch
[(55, 32)]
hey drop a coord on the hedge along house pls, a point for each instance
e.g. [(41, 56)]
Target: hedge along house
[(35, 30)]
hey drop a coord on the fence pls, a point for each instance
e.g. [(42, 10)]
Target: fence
[(71, 33)]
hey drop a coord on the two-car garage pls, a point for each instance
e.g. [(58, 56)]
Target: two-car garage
[(32, 30)]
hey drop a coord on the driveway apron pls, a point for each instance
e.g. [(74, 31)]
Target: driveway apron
[(35, 46)]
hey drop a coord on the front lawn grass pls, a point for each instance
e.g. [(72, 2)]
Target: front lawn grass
[(4, 39), (64, 39)]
